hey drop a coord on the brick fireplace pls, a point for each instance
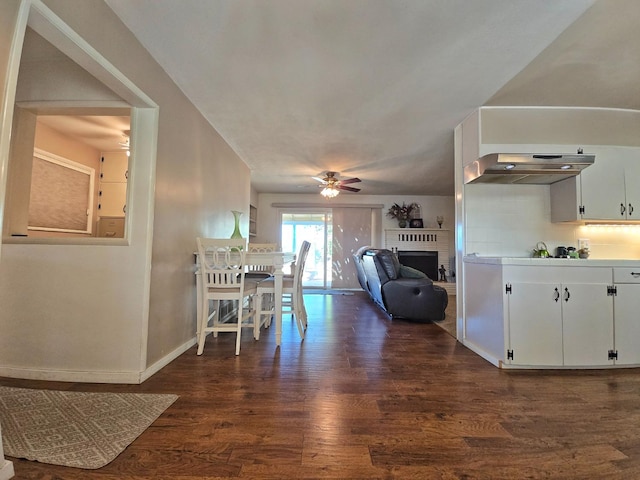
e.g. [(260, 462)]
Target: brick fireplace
[(420, 248)]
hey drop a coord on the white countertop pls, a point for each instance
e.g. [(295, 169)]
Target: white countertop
[(530, 261)]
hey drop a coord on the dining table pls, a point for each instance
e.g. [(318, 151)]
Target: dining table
[(275, 259)]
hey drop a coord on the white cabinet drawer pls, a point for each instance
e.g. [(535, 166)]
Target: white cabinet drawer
[(626, 274)]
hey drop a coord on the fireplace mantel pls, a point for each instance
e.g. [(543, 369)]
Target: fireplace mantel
[(422, 239)]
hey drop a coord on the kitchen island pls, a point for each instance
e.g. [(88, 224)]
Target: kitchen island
[(552, 312)]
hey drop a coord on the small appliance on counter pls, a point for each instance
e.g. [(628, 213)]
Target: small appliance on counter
[(562, 252), (541, 250)]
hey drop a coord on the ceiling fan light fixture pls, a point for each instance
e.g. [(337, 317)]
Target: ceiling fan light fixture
[(330, 191)]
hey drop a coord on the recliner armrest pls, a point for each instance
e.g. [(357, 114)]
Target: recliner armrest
[(415, 299)]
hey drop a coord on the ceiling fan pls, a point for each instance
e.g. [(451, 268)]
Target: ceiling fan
[(331, 186), (125, 144)]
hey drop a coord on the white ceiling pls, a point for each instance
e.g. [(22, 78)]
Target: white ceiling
[(106, 133), (375, 88)]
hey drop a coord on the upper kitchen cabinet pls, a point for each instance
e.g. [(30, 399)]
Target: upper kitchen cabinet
[(632, 187), (113, 184), (609, 190)]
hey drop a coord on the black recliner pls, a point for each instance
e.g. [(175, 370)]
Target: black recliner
[(401, 291)]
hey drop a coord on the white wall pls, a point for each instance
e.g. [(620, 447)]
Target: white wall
[(101, 312), (432, 206), (506, 220), (8, 13)]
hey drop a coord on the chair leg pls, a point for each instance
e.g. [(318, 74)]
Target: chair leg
[(203, 322), (239, 329), (299, 314), (303, 312), (257, 316), (216, 317)]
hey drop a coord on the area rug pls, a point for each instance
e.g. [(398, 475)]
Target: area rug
[(75, 429)]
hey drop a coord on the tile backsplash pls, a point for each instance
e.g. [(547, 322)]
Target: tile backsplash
[(509, 220)]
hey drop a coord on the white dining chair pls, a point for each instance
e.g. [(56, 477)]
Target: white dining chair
[(222, 270), (257, 271), (292, 286)]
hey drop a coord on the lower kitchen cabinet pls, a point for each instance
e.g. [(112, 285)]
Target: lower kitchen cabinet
[(559, 324), (627, 324), (548, 313), (626, 305), (587, 324), (534, 322)]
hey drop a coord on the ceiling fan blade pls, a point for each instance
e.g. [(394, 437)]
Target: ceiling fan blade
[(349, 189), (350, 180), (321, 180)]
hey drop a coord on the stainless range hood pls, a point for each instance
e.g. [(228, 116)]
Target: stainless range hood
[(529, 169)]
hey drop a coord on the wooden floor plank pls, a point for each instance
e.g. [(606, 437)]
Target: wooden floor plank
[(366, 397)]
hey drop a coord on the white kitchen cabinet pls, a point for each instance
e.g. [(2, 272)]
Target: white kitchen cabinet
[(113, 188), (114, 167), (535, 325), (560, 324), (111, 227), (632, 188), (547, 313), (566, 322), (113, 199), (587, 324), (627, 324), (626, 304), (607, 190)]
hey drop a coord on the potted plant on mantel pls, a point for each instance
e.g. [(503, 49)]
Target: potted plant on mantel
[(401, 213)]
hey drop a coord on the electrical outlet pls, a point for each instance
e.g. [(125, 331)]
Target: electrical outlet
[(583, 243)]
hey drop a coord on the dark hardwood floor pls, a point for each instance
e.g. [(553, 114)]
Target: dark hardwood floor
[(364, 397)]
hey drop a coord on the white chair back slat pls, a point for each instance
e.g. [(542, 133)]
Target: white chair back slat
[(261, 248)]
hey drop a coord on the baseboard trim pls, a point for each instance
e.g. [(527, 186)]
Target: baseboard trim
[(95, 376), (166, 360), (70, 375), (6, 469), (484, 354)]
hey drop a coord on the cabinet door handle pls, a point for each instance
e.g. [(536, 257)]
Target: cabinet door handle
[(622, 209), (567, 295), (556, 297), (635, 274), (630, 209)]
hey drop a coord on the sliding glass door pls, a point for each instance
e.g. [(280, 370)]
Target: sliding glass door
[(316, 228), (335, 234)]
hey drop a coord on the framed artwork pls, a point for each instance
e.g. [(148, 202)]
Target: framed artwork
[(416, 223)]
